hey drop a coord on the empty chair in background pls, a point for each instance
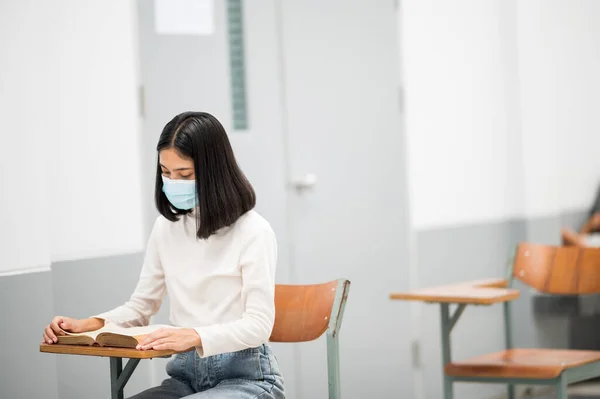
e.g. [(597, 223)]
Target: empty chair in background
[(555, 270)]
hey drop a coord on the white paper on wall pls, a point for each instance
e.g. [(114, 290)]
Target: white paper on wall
[(184, 17)]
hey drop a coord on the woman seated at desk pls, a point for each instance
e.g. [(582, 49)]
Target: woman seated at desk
[(215, 257), (589, 235)]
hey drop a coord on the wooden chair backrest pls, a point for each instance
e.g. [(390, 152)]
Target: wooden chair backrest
[(558, 270), (302, 312)]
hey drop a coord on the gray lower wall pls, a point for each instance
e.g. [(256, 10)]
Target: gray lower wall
[(26, 306), (76, 289), (82, 288)]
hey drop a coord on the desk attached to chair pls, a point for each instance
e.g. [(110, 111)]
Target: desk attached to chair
[(481, 292), (548, 269)]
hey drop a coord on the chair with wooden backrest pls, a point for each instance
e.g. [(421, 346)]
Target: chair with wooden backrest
[(551, 270), (304, 312)]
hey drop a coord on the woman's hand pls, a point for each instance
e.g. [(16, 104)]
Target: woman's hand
[(592, 225), (595, 221), (60, 324), (175, 339)]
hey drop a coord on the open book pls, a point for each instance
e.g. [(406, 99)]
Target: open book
[(110, 335)]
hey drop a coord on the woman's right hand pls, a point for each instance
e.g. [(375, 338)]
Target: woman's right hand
[(595, 221), (60, 324)]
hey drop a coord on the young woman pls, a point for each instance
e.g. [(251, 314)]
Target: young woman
[(215, 257)]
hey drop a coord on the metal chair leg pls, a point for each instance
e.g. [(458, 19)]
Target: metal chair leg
[(448, 391), (561, 388), (511, 391), (447, 323), (333, 366)]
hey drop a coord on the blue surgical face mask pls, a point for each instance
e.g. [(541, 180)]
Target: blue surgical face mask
[(180, 193)]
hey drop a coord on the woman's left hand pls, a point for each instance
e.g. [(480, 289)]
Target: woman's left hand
[(176, 339)]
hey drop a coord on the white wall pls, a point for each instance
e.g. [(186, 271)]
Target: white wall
[(559, 60), (70, 131), (96, 197), (457, 123), (25, 112), (500, 108)]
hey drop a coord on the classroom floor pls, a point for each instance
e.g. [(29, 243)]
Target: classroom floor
[(584, 390)]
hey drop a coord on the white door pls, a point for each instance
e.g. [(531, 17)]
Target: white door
[(348, 217), (322, 99)]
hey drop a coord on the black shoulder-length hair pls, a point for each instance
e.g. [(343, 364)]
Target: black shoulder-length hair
[(224, 192)]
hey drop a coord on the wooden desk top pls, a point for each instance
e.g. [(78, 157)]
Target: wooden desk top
[(482, 292), (103, 351)]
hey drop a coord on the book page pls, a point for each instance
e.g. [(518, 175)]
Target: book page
[(92, 334), (115, 329), (132, 331)]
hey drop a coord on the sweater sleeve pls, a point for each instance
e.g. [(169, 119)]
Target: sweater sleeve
[(257, 262), (148, 294)]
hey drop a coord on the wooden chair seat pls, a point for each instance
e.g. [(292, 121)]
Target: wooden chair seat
[(522, 363)]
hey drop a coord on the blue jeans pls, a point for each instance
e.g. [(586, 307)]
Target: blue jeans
[(247, 374)]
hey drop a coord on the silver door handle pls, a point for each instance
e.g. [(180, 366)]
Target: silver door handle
[(307, 181)]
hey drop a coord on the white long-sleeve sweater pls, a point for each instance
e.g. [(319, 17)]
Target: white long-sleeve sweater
[(223, 286)]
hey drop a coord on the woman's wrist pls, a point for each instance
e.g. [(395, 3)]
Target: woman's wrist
[(197, 339), (92, 324)]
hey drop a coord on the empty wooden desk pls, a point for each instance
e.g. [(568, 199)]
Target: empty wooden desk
[(482, 292)]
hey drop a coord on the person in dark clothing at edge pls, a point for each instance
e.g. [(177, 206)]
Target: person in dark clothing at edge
[(589, 235)]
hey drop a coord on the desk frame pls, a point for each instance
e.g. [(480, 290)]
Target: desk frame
[(485, 292), (119, 376)]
